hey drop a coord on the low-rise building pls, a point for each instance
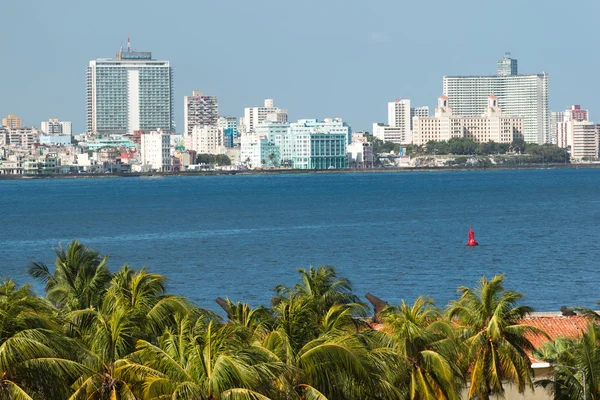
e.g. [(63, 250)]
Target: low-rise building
[(360, 155)]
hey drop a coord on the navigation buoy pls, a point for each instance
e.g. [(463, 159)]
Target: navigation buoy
[(472, 241)]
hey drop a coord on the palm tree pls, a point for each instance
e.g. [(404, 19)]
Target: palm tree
[(21, 309), (31, 366), (79, 280), (322, 287), (324, 357), (496, 342), (573, 360), (422, 352), (142, 296), (203, 360)]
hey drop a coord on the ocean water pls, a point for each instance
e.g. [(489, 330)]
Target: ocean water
[(395, 235)]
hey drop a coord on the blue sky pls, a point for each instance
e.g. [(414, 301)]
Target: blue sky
[(327, 58)]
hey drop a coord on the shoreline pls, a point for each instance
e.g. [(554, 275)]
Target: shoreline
[(300, 171)]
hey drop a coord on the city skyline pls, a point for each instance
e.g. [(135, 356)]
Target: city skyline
[(351, 80)]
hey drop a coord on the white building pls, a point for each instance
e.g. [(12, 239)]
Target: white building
[(199, 110), (308, 143), (257, 151), (422, 111), (255, 115), (392, 134), (55, 127), (562, 125), (525, 96), (23, 138), (399, 127), (130, 93), (155, 150), (360, 155), (492, 125), (585, 141), (205, 139)]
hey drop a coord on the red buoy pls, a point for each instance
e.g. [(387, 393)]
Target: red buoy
[(472, 241)]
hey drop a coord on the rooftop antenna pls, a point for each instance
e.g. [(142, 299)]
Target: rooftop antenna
[(128, 44)]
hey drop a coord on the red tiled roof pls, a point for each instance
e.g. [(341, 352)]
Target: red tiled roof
[(556, 326)]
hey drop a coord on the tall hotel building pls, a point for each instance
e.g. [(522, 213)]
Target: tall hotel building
[(525, 96), (130, 93)]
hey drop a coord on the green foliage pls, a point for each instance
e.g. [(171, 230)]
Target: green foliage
[(213, 159), (99, 335), (379, 146)]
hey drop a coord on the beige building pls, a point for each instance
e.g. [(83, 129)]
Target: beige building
[(12, 122), (584, 141), (205, 139), (492, 125)]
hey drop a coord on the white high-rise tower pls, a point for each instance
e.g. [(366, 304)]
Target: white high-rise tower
[(525, 96), (132, 92)]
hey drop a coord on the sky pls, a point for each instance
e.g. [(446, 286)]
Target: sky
[(318, 59)]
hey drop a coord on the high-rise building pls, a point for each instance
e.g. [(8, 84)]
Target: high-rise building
[(200, 110), (156, 150), (562, 125), (525, 96), (132, 92), (12, 122), (399, 126), (507, 66), (255, 115), (55, 127), (585, 141), (492, 125)]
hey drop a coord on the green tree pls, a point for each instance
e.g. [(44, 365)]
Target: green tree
[(204, 360), (21, 309), (420, 352), (495, 341), (80, 278), (574, 359)]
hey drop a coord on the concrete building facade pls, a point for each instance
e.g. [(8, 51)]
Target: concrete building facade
[(492, 125), (585, 141), (199, 110), (55, 127), (525, 96), (12, 122), (132, 92), (268, 112), (155, 150)]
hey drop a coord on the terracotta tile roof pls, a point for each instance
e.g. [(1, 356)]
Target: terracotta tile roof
[(556, 326), (443, 96)]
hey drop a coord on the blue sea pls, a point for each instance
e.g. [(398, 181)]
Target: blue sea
[(395, 235)]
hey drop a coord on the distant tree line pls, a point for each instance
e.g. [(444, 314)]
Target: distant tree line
[(216, 159)]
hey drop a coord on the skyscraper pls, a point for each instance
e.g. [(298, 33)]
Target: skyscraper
[(525, 96), (130, 93), (507, 66), (200, 110)]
